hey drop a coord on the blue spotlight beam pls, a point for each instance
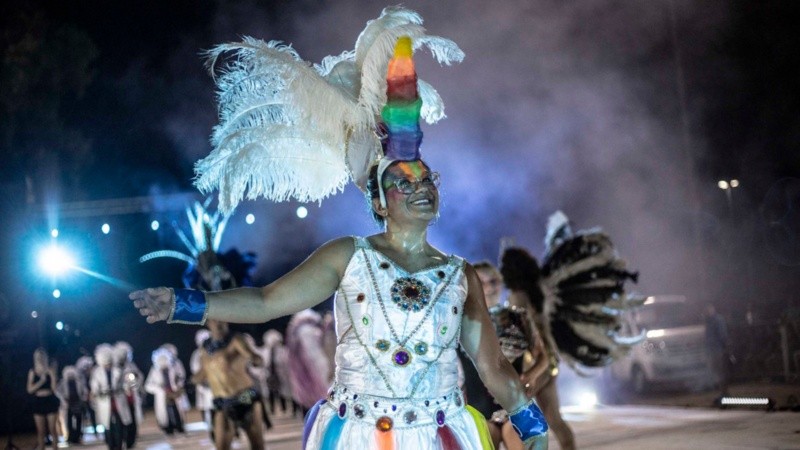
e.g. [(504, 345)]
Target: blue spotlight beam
[(116, 282)]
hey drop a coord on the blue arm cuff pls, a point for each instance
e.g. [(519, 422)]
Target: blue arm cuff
[(528, 421), (188, 307)]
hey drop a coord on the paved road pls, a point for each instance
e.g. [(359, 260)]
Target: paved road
[(605, 427)]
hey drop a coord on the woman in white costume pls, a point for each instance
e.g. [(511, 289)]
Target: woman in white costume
[(132, 384), (401, 306), (166, 382), (108, 397)]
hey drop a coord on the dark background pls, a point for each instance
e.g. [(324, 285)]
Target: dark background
[(622, 114)]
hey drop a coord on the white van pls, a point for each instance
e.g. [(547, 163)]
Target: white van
[(673, 351)]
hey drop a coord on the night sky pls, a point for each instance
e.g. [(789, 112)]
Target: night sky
[(624, 115)]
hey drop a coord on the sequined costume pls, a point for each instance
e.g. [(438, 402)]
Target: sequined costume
[(515, 337), (396, 360)]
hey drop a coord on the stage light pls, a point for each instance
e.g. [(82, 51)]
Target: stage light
[(34, 314), (56, 293), (722, 184), (55, 260), (54, 232), (59, 325), (106, 228), (250, 219), (734, 183), (302, 212), (154, 225)]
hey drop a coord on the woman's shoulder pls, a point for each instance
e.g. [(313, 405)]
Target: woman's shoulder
[(340, 248)]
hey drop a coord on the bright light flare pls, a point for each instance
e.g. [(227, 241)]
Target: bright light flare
[(54, 232), (55, 260), (106, 228), (250, 219), (587, 400), (722, 184), (59, 325), (734, 183), (154, 225), (56, 293), (302, 212), (655, 333)]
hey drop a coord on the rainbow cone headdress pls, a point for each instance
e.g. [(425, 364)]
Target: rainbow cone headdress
[(401, 135), (402, 110), (292, 130)]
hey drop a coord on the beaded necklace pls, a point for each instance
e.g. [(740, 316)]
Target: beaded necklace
[(404, 341), (428, 311)]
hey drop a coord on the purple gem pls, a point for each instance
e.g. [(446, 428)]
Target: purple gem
[(401, 358), (440, 417), (343, 410)]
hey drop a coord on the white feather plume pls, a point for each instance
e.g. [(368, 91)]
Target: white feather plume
[(290, 129)]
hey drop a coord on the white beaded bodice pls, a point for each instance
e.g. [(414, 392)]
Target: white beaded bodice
[(398, 331)]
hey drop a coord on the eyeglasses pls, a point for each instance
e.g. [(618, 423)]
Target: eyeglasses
[(406, 186)]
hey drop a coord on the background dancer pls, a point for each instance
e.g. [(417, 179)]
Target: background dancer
[(132, 381), (203, 396), (575, 302), (108, 397), (279, 382), (224, 361), (74, 395), (166, 384), (42, 387), (85, 366), (309, 367)]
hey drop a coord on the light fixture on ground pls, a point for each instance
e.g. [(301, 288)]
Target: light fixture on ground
[(747, 402)]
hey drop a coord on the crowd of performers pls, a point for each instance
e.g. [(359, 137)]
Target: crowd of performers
[(104, 390), (237, 384)]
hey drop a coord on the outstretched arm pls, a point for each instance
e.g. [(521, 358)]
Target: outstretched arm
[(314, 280), (479, 340)]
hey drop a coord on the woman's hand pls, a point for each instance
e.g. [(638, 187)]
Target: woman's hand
[(153, 303)]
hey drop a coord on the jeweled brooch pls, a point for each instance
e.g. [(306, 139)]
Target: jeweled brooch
[(410, 294)]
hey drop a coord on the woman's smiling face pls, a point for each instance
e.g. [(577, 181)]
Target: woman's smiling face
[(411, 191)]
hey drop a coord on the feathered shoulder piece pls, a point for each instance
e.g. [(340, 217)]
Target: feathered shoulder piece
[(581, 287), (291, 129)]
